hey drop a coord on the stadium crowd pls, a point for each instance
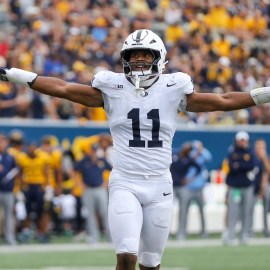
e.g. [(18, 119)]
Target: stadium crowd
[(223, 45)]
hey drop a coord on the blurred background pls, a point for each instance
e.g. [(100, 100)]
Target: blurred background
[(222, 45)]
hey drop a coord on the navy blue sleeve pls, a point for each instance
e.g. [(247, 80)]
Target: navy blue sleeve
[(243, 164), (78, 165)]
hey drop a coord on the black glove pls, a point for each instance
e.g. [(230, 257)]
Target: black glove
[(3, 74)]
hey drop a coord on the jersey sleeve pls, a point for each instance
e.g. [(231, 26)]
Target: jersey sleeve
[(186, 87), (103, 81), (184, 82)]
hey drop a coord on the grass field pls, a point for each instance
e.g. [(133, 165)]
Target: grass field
[(186, 257)]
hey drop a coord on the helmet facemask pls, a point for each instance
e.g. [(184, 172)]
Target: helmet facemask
[(139, 67), (143, 40)]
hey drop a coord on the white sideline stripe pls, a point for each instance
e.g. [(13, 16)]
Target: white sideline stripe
[(104, 268), (94, 268), (108, 246)]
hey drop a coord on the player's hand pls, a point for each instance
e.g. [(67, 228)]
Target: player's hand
[(3, 74), (16, 75)]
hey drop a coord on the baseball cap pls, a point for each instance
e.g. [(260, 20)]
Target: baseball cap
[(241, 135)]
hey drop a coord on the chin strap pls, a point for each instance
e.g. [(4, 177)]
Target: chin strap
[(139, 90)]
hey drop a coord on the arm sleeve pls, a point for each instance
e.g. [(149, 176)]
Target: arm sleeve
[(187, 87), (78, 166), (101, 81)]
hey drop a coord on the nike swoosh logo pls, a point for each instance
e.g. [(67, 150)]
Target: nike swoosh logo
[(169, 85), (166, 194)]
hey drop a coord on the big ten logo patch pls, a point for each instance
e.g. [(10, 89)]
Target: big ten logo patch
[(119, 86)]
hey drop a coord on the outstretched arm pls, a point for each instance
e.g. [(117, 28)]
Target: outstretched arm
[(83, 94), (208, 102)]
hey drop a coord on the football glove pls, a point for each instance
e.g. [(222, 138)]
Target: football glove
[(260, 95), (16, 75)]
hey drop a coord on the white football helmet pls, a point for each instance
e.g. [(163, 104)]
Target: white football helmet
[(144, 39)]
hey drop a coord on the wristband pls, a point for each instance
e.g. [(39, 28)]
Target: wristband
[(20, 76), (260, 95)]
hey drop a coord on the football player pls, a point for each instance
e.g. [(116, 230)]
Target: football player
[(142, 106)]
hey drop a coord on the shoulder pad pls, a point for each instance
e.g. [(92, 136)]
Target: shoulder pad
[(184, 81), (100, 78), (180, 76), (107, 82)]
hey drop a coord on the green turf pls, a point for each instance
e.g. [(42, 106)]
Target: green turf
[(206, 258), (219, 258)]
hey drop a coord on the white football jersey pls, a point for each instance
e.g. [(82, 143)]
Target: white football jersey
[(143, 127)]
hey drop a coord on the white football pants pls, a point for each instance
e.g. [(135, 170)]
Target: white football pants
[(140, 214)]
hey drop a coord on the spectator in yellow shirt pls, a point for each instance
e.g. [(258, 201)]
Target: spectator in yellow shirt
[(257, 24), (217, 16), (34, 181), (54, 156), (173, 34), (221, 46)]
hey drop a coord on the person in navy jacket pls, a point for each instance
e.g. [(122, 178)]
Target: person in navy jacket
[(181, 176), (8, 172), (261, 184), (240, 179), (95, 195)]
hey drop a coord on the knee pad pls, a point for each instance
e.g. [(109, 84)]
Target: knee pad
[(129, 245), (150, 259)]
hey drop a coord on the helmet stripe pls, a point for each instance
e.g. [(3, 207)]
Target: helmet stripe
[(138, 37)]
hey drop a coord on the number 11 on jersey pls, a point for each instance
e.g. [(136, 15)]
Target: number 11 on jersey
[(134, 115)]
